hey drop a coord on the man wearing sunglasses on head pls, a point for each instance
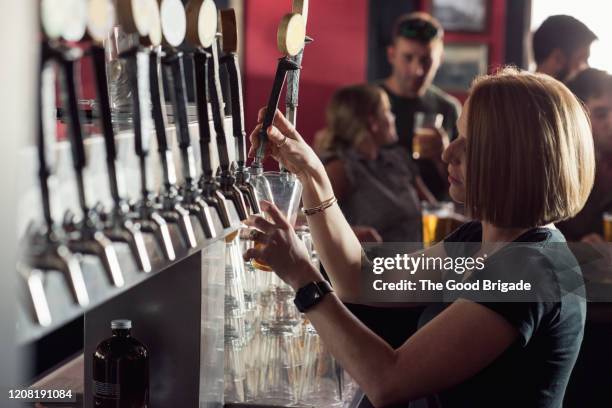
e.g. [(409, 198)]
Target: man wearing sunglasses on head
[(415, 54)]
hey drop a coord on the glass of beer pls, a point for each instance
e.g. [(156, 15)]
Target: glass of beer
[(438, 221), (607, 226), (425, 125), (285, 191)]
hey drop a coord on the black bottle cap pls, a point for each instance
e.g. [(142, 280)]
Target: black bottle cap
[(121, 324)]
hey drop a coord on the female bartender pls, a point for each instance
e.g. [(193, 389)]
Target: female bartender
[(523, 161)]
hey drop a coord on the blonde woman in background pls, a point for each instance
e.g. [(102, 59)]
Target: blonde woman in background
[(375, 181)]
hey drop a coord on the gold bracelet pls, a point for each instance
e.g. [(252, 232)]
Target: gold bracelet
[(321, 207)]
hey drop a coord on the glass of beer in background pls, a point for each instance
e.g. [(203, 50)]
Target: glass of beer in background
[(607, 226), (438, 221), (425, 125)]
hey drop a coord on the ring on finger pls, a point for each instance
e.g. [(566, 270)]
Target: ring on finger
[(256, 235), (283, 142)]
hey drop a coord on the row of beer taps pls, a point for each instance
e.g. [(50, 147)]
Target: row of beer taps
[(217, 193)]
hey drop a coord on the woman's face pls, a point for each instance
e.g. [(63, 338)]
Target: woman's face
[(600, 110), (455, 157), (383, 124)]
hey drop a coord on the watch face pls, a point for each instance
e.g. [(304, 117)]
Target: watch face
[(313, 291), (307, 296)]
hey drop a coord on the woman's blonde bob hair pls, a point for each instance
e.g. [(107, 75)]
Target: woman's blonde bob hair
[(348, 116), (530, 157)]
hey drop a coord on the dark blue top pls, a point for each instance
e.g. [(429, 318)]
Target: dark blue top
[(535, 369)]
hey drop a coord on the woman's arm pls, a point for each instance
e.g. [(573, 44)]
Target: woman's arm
[(338, 178), (336, 244), (454, 346)]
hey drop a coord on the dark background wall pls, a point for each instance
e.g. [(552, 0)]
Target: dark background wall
[(337, 57)]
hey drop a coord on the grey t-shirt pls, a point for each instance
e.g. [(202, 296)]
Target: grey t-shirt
[(436, 101), (381, 193)]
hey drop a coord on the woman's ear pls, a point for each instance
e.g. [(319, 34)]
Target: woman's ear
[(373, 124)]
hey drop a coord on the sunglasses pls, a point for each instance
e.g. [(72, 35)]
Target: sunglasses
[(418, 29)]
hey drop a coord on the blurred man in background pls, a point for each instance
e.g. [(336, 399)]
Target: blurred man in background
[(562, 46), (415, 55), (594, 88)]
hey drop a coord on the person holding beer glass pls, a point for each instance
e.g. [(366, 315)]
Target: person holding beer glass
[(594, 88), (523, 160), (426, 115)]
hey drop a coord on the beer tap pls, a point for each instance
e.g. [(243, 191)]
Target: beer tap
[(290, 37), (201, 30), (293, 77), (230, 60), (137, 60), (202, 33), (86, 234), (47, 245), (169, 200), (291, 34), (174, 24), (118, 225)]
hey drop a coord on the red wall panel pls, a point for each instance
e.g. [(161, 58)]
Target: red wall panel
[(337, 56)]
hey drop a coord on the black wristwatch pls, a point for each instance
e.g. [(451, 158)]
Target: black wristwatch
[(311, 294)]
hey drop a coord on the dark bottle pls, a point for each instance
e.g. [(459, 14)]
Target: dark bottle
[(121, 370)]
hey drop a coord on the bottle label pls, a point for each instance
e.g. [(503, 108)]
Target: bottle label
[(106, 390)]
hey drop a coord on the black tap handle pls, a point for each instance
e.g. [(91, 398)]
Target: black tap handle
[(71, 103), (284, 65), (157, 98), (235, 85), (44, 172), (133, 58), (68, 59), (201, 59), (174, 67), (216, 101), (99, 61), (141, 139), (159, 118)]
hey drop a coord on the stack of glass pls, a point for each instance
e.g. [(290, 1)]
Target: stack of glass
[(272, 351), (236, 331)]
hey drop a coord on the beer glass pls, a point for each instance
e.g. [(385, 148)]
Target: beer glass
[(235, 370), (607, 226), (285, 191), (279, 376), (321, 379), (425, 125), (438, 221)]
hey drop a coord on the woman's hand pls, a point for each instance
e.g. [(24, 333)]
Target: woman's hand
[(280, 248), (286, 146)]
